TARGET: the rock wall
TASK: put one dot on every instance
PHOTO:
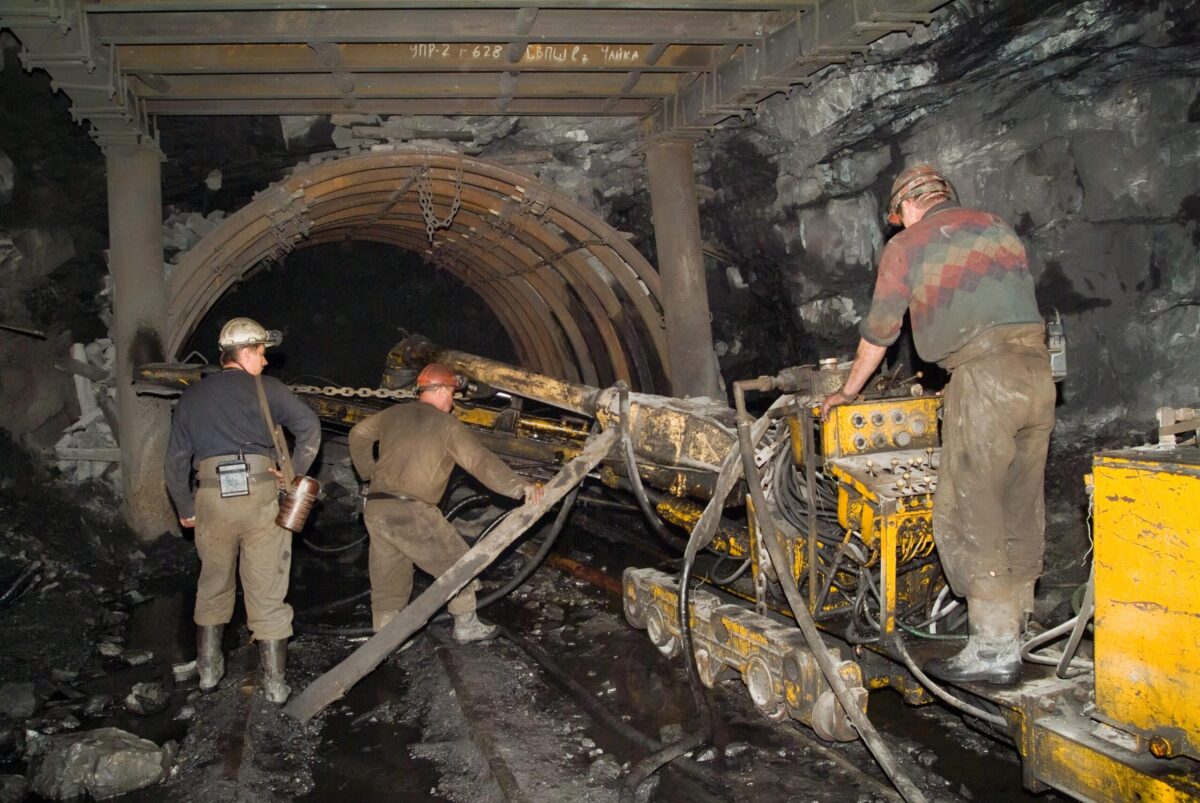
(1076, 122)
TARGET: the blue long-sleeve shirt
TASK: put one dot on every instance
(221, 415)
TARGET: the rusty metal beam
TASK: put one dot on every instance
(464, 57)
(57, 38)
(631, 107)
(400, 85)
(423, 26)
(834, 32)
(103, 6)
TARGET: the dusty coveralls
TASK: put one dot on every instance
(964, 278)
(419, 446)
(214, 420)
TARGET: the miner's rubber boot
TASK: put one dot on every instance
(210, 661)
(272, 663)
(993, 651)
(468, 628)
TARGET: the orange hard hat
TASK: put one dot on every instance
(914, 182)
(436, 375)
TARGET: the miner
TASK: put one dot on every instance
(419, 445)
(964, 279)
(220, 429)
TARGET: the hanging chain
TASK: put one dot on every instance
(362, 393)
(425, 199)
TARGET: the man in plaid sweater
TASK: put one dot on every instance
(963, 277)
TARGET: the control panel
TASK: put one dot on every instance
(896, 474)
(885, 425)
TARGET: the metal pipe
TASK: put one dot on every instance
(771, 539)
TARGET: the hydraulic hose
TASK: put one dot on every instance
(942, 694)
(520, 577)
(650, 764)
(701, 536)
(635, 479)
(887, 762)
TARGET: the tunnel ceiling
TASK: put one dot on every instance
(682, 66)
(577, 300)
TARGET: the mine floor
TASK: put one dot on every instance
(484, 722)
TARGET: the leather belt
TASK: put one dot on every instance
(215, 483)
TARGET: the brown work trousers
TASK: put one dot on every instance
(989, 509)
(403, 533)
(243, 527)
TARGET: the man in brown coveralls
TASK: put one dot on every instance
(419, 445)
(964, 278)
(219, 429)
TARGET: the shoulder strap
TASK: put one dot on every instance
(281, 449)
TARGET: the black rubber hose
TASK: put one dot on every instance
(771, 540)
(332, 550)
(650, 764)
(635, 479)
(520, 577)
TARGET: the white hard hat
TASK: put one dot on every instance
(247, 332)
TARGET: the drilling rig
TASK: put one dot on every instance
(840, 513)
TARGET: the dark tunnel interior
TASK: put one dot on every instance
(722, 559)
(343, 307)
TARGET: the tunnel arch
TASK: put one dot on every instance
(577, 300)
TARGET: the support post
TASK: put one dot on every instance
(135, 262)
(693, 364)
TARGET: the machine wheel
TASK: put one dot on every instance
(761, 685)
(656, 629)
(711, 670)
(632, 606)
(829, 719)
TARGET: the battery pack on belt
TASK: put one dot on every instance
(215, 482)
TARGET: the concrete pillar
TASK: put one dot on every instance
(693, 367)
(135, 262)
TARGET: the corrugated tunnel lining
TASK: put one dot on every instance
(578, 301)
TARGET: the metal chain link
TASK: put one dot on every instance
(348, 392)
(425, 199)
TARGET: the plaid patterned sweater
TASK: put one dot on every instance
(959, 272)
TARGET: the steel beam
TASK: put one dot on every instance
(170, 60)
(681, 265)
(57, 38)
(103, 6)
(139, 325)
(834, 32)
(591, 107)
(600, 26)
(400, 85)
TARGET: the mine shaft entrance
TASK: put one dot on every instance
(575, 299)
(343, 306)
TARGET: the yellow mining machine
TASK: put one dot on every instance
(849, 504)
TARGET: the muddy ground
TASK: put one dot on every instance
(437, 721)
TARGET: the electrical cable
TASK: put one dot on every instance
(635, 479)
(1028, 649)
(738, 572)
(770, 538)
(507, 588)
(700, 537)
(942, 694)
